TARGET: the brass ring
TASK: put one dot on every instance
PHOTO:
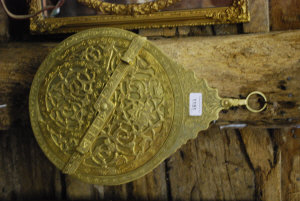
(256, 93)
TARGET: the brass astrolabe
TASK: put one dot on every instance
(107, 106)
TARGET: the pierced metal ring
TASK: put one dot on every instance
(256, 93)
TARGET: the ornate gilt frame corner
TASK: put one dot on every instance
(237, 13)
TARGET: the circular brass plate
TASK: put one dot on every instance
(143, 128)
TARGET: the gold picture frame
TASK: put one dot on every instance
(236, 13)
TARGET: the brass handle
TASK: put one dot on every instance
(228, 103)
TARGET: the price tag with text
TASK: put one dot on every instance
(195, 104)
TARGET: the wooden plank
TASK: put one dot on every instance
(217, 165)
(275, 157)
(265, 162)
(225, 29)
(25, 172)
(259, 12)
(288, 142)
(120, 192)
(284, 14)
(211, 167)
(235, 65)
(184, 31)
(16, 78)
(201, 31)
(4, 34)
(153, 186)
(78, 190)
(214, 166)
(158, 32)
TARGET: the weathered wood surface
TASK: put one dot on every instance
(235, 65)
(201, 31)
(259, 13)
(284, 14)
(288, 145)
(265, 160)
(158, 32)
(220, 164)
(247, 164)
(211, 167)
(25, 173)
(4, 35)
(225, 29)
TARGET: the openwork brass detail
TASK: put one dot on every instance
(128, 9)
(236, 13)
(107, 106)
(104, 106)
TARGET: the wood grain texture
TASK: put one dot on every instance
(153, 186)
(4, 33)
(25, 173)
(184, 31)
(211, 167)
(265, 162)
(235, 65)
(225, 29)
(284, 14)
(158, 32)
(16, 75)
(120, 192)
(220, 164)
(77, 190)
(201, 31)
(259, 12)
(288, 143)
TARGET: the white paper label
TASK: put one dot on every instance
(195, 104)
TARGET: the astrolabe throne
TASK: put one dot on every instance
(107, 106)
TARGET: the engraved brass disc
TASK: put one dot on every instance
(107, 106)
(69, 82)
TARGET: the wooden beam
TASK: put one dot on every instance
(259, 12)
(25, 172)
(284, 15)
(235, 65)
(288, 144)
(211, 167)
(4, 35)
(265, 161)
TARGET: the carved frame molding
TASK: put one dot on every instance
(237, 13)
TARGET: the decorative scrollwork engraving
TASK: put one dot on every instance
(232, 14)
(108, 106)
(143, 103)
(128, 9)
(134, 16)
